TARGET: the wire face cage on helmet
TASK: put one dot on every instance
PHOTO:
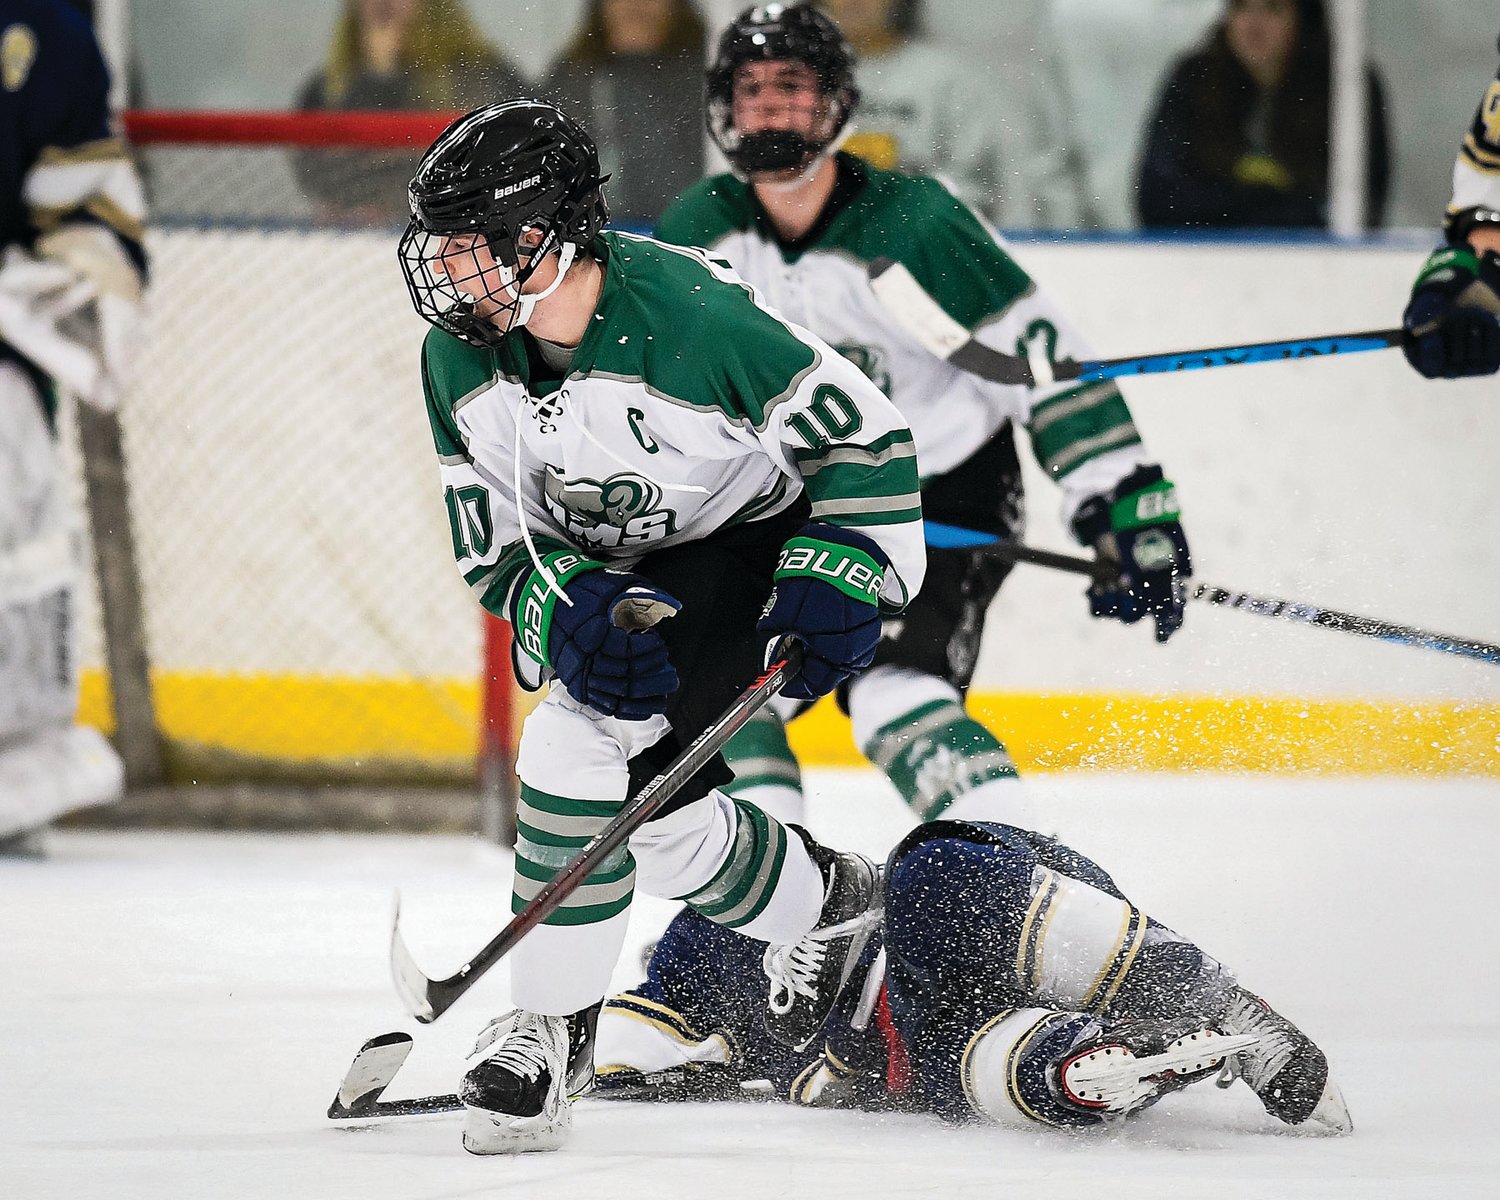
(775, 33)
(500, 191)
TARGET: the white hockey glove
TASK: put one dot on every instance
(74, 310)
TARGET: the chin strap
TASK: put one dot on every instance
(527, 303)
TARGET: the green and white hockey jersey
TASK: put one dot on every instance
(1082, 434)
(688, 408)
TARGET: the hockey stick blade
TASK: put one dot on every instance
(371, 1073)
(926, 320)
(413, 986)
(420, 1106)
(427, 999)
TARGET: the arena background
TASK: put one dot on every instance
(297, 564)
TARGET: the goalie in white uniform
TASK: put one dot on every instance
(803, 222)
(71, 271)
(655, 480)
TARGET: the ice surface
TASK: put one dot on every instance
(177, 1010)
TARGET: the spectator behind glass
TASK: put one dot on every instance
(1240, 136)
(925, 109)
(394, 55)
(633, 76)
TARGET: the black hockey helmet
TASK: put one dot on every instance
(503, 172)
(771, 33)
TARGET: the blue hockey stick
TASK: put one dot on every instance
(906, 300)
(952, 537)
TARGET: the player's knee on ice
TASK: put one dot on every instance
(701, 1003)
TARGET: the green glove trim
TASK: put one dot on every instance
(535, 600)
(852, 571)
(1153, 505)
(1448, 258)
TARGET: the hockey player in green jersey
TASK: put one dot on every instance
(802, 222)
(655, 480)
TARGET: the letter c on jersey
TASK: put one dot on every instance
(645, 440)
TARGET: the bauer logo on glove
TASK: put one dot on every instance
(851, 571)
(827, 597)
(593, 628)
(1137, 526)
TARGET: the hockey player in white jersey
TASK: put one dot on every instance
(802, 222)
(1452, 323)
(71, 272)
(626, 436)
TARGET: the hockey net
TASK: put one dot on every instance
(303, 617)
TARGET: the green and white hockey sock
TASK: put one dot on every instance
(735, 865)
(766, 773)
(945, 764)
(565, 963)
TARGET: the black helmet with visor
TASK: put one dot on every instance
(521, 177)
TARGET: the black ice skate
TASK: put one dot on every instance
(1285, 1068)
(1120, 1068)
(807, 977)
(519, 1098)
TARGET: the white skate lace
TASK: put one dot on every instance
(529, 1044)
(793, 970)
(1263, 1062)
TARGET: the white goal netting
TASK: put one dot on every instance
(302, 609)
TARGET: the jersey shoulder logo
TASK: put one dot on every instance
(870, 361)
(623, 510)
(17, 53)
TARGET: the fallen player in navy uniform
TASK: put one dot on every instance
(1008, 981)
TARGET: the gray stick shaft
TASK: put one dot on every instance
(1269, 606)
(137, 736)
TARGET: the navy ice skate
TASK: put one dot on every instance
(1285, 1068)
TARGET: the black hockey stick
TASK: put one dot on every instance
(951, 536)
(907, 300)
(371, 1073)
(427, 999)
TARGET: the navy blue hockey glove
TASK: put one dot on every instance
(601, 646)
(1136, 527)
(826, 596)
(1451, 326)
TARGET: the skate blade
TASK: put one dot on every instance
(1115, 1079)
(488, 1132)
(1330, 1118)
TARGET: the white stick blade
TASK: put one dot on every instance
(906, 300)
(373, 1069)
(410, 980)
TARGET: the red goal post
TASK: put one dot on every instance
(303, 616)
